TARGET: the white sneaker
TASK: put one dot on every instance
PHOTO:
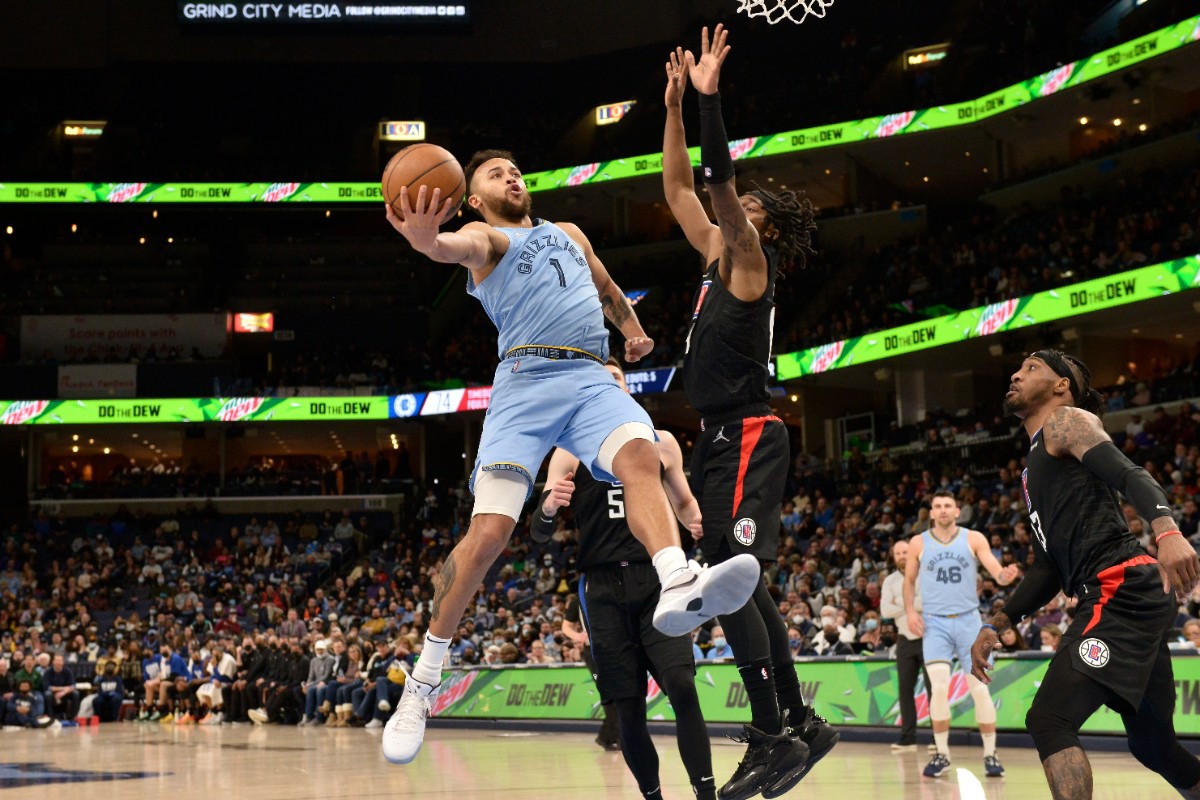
(384, 706)
(257, 716)
(701, 593)
(404, 732)
(373, 724)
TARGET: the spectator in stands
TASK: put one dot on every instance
(20, 711)
(1011, 641)
(62, 696)
(110, 693)
(320, 672)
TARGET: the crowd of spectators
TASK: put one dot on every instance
(201, 617)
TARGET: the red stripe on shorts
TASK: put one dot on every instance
(1111, 580)
(752, 428)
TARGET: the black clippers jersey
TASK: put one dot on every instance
(729, 345)
(1075, 517)
(604, 535)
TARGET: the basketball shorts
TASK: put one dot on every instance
(739, 470)
(1118, 628)
(538, 404)
(617, 604)
(947, 638)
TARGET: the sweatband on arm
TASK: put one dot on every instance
(1110, 465)
(714, 143)
(1037, 588)
(541, 528)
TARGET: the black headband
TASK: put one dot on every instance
(1056, 361)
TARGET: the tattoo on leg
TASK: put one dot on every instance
(443, 584)
(1069, 774)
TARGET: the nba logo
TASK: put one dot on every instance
(700, 298)
(744, 530)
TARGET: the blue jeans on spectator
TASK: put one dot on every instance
(107, 705)
(311, 701)
(382, 690)
(344, 693)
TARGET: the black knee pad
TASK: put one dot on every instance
(1052, 733)
(680, 685)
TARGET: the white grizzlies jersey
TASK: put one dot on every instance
(542, 293)
(948, 575)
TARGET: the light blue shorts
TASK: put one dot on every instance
(947, 637)
(538, 404)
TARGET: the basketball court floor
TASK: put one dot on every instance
(135, 761)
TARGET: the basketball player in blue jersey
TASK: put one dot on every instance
(741, 460)
(946, 559)
(547, 294)
(618, 591)
(1115, 651)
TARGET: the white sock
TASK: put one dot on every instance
(668, 562)
(942, 740)
(429, 666)
(989, 743)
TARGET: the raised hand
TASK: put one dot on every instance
(677, 72)
(706, 72)
(419, 225)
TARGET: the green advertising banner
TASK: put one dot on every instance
(1077, 72)
(861, 692)
(207, 409)
(1145, 283)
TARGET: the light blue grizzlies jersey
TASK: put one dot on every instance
(542, 293)
(948, 575)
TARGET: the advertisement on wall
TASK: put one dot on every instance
(99, 337)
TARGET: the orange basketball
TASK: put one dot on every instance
(424, 164)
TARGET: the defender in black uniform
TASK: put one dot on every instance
(1115, 652)
(609, 736)
(740, 463)
(618, 592)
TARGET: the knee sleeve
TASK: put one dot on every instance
(1051, 730)
(939, 690)
(985, 709)
(621, 436)
(501, 492)
(680, 685)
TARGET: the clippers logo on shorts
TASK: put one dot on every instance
(744, 530)
(1094, 652)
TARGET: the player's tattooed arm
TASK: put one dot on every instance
(617, 308)
(1072, 431)
(442, 585)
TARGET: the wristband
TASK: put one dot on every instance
(990, 627)
(1162, 536)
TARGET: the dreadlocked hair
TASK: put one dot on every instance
(794, 217)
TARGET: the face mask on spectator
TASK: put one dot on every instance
(794, 643)
(870, 624)
(719, 642)
(797, 619)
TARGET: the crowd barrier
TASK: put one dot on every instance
(847, 690)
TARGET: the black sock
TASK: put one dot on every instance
(653, 794)
(760, 689)
(705, 789)
(791, 700)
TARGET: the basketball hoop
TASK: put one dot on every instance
(778, 10)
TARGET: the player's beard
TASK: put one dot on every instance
(1022, 404)
(509, 208)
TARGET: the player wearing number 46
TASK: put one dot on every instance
(946, 558)
(548, 294)
(1115, 652)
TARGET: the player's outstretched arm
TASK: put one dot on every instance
(1080, 434)
(912, 569)
(617, 308)
(679, 186)
(472, 246)
(740, 246)
(983, 551)
(687, 510)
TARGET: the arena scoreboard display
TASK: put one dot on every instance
(323, 14)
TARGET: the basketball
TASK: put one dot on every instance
(424, 164)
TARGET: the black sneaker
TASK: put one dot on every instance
(820, 737)
(768, 758)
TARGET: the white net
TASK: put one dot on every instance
(778, 10)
